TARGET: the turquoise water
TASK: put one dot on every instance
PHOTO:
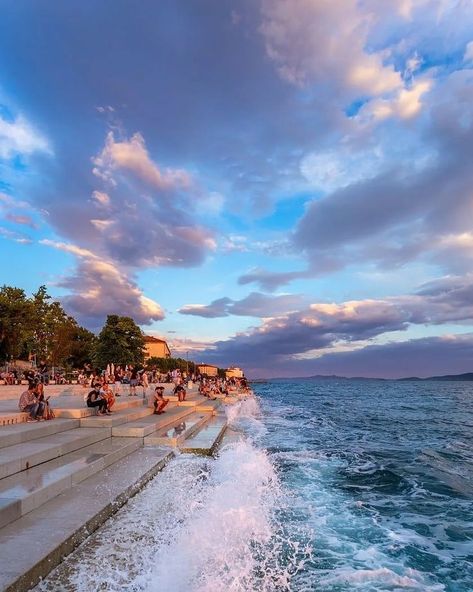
(322, 486)
(380, 475)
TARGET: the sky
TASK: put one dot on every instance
(281, 185)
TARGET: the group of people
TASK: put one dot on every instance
(33, 402)
(101, 398)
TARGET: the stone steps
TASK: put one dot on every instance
(15, 434)
(76, 408)
(20, 457)
(208, 405)
(117, 418)
(26, 491)
(36, 543)
(175, 434)
(147, 425)
(206, 440)
(12, 417)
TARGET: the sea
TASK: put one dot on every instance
(329, 485)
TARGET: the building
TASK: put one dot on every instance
(207, 369)
(156, 348)
(234, 372)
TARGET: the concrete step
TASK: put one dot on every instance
(151, 423)
(206, 440)
(25, 432)
(19, 457)
(208, 405)
(24, 492)
(117, 417)
(12, 417)
(75, 407)
(176, 433)
(35, 544)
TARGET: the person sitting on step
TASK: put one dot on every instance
(180, 391)
(108, 395)
(159, 401)
(95, 399)
(29, 403)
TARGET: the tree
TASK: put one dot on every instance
(15, 322)
(82, 347)
(167, 364)
(120, 341)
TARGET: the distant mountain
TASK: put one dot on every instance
(458, 377)
(447, 377)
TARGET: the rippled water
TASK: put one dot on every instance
(383, 474)
(333, 486)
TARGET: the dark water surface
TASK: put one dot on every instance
(382, 473)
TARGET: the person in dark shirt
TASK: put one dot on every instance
(180, 391)
(159, 401)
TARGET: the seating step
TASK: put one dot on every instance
(15, 434)
(117, 418)
(151, 423)
(12, 417)
(209, 405)
(22, 493)
(175, 434)
(20, 457)
(206, 440)
(35, 544)
(73, 407)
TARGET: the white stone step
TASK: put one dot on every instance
(148, 425)
(116, 418)
(35, 544)
(73, 407)
(175, 434)
(19, 457)
(209, 405)
(25, 432)
(206, 440)
(26, 491)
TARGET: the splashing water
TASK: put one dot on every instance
(202, 525)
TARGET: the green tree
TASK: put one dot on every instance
(120, 341)
(82, 347)
(167, 364)
(15, 323)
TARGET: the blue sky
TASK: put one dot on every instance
(284, 185)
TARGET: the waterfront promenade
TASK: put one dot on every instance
(61, 479)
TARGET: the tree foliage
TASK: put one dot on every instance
(121, 342)
(165, 365)
(39, 328)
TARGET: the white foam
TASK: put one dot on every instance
(232, 542)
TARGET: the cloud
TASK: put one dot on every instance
(299, 37)
(23, 220)
(428, 356)
(18, 136)
(143, 216)
(254, 305)
(99, 288)
(132, 156)
(317, 329)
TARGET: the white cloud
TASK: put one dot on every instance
(19, 137)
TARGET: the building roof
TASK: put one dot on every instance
(207, 365)
(151, 339)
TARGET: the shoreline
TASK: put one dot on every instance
(62, 479)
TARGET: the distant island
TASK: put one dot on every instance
(467, 376)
